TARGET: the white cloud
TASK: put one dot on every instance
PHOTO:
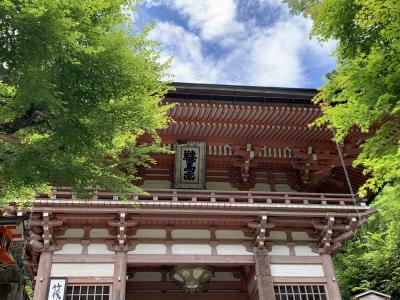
(189, 63)
(151, 3)
(274, 55)
(214, 19)
(247, 54)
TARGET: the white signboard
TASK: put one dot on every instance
(57, 288)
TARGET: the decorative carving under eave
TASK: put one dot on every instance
(122, 224)
(42, 231)
(315, 166)
(261, 226)
(244, 161)
(332, 233)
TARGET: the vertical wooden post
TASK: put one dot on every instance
(331, 281)
(43, 275)
(263, 272)
(119, 280)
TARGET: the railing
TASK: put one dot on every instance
(213, 196)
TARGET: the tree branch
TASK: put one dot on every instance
(31, 117)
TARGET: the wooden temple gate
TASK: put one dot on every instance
(251, 207)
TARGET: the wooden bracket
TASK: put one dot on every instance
(122, 224)
(244, 160)
(261, 226)
(42, 232)
(332, 235)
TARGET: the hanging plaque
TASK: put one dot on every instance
(189, 165)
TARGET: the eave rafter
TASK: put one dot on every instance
(241, 113)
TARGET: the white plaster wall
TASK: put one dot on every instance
(197, 249)
(279, 250)
(230, 235)
(149, 249)
(232, 250)
(277, 235)
(150, 234)
(82, 270)
(190, 234)
(98, 249)
(300, 236)
(261, 187)
(146, 276)
(280, 187)
(301, 250)
(298, 270)
(100, 233)
(156, 184)
(220, 186)
(70, 249)
(73, 233)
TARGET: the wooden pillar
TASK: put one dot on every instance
(331, 280)
(251, 283)
(119, 280)
(265, 285)
(43, 275)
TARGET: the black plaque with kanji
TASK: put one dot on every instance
(189, 165)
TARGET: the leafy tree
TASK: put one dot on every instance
(364, 92)
(372, 259)
(78, 85)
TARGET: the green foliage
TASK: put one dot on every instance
(78, 85)
(29, 287)
(372, 259)
(364, 91)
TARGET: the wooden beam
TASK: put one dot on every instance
(146, 259)
(170, 285)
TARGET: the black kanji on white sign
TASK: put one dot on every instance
(57, 289)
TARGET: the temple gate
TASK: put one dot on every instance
(251, 206)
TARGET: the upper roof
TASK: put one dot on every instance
(240, 93)
(274, 121)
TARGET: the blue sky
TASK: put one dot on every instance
(253, 42)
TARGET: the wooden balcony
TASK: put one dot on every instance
(212, 197)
